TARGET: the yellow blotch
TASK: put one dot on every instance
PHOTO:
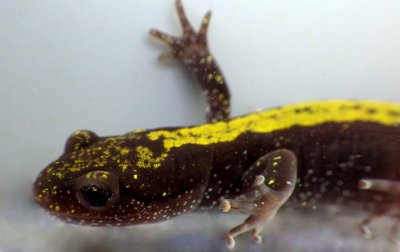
(209, 59)
(135, 176)
(304, 114)
(147, 159)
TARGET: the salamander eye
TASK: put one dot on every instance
(80, 139)
(97, 190)
(96, 196)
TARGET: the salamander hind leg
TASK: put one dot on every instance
(191, 48)
(267, 185)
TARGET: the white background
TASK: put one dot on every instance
(69, 64)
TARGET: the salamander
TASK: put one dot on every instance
(308, 155)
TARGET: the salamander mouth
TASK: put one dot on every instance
(92, 220)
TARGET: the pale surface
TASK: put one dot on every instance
(67, 65)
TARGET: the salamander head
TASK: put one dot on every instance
(96, 182)
(87, 185)
(81, 186)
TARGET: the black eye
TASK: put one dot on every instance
(96, 196)
(97, 190)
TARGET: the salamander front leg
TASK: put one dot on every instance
(273, 178)
(191, 48)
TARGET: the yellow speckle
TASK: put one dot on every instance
(275, 163)
(59, 175)
(39, 197)
(100, 163)
(210, 76)
(209, 59)
(135, 176)
(57, 208)
(125, 165)
(219, 79)
(53, 190)
(272, 181)
(124, 151)
(164, 194)
(74, 169)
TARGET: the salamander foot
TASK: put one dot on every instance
(273, 179)
(189, 41)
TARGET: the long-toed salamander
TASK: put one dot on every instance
(315, 153)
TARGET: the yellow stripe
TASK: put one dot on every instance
(303, 114)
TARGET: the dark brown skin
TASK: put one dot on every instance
(309, 155)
